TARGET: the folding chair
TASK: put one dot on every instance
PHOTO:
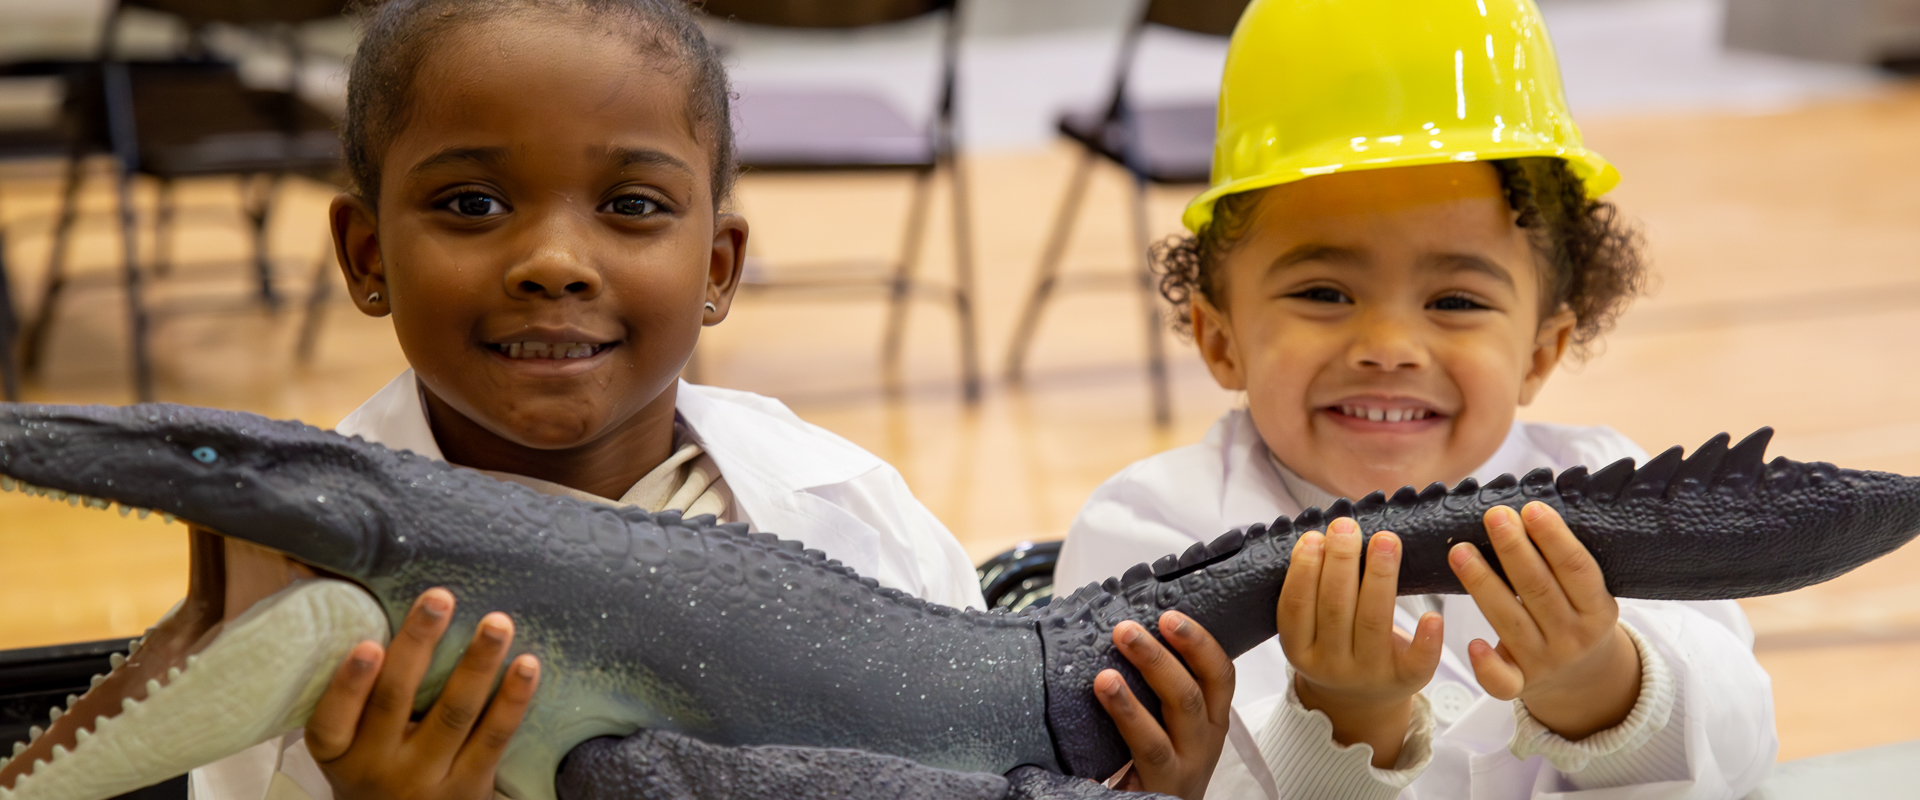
(190, 116)
(9, 332)
(837, 130)
(27, 140)
(1157, 145)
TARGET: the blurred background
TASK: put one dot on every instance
(1767, 148)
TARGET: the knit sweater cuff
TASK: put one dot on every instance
(1299, 749)
(1650, 714)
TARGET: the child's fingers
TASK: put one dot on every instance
(337, 716)
(391, 705)
(1417, 659)
(1183, 706)
(465, 696)
(1527, 571)
(1300, 595)
(1496, 601)
(1339, 583)
(489, 740)
(1144, 737)
(1373, 609)
(1493, 667)
(1572, 564)
(1209, 664)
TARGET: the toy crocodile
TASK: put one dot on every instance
(749, 664)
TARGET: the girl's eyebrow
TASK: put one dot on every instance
(1315, 252)
(629, 156)
(1465, 262)
(481, 156)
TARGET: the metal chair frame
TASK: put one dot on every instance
(899, 281)
(1119, 118)
(9, 333)
(124, 144)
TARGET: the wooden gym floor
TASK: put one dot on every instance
(1789, 296)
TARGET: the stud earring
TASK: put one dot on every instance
(712, 308)
(373, 297)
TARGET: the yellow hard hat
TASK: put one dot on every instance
(1320, 86)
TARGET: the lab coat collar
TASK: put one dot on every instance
(749, 434)
(1253, 489)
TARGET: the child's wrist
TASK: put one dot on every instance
(1601, 697)
(1376, 718)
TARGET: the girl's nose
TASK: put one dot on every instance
(553, 272)
(1385, 343)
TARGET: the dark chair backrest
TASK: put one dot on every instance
(1211, 17)
(822, 13)
(244, 12)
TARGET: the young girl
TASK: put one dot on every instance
(1400, 245)
(537, 193)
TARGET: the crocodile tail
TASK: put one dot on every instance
(1229, 586)
(1723, 523)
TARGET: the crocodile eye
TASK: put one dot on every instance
(204, 455)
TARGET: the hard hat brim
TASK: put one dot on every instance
(1595, 172)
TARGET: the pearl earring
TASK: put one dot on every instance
(373, 297)
(712, 308)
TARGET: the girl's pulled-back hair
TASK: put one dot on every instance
(399, 34)
(1589, 258)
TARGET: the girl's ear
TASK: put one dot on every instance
(1549, 346)
(728, 258)
(1217, 346)
(356, 245)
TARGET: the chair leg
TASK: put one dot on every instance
(9, 328)
(316, 306)
(1150, 304)
(259, 204)
(900, 288)
(34, 341)
(963, 281)
(163, 230)
(136, 307)
(1047, 275)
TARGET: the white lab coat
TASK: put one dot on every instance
(1714, 740)
(787, 476)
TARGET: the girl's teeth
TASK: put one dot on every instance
(1386, 415)
(522, 350)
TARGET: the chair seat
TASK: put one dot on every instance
(812, 129)
(313, 152)
(1173, 143)
(228, 128)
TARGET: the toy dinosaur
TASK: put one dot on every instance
(691, 631)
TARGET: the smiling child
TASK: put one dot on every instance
(537, 201)
(1403, 240)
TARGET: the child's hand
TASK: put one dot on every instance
(365, 743)
(1178, 759)
(1337, 630)
(1561, 650)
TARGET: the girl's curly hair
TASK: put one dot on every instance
(1590, 259)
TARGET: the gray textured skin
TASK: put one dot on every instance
(650, 621)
